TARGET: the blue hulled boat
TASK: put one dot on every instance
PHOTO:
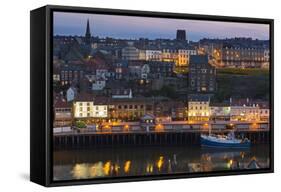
(228, 141)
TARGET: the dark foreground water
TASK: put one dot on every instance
(139, 161)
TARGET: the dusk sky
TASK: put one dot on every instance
(129, 27)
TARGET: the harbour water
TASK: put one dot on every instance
(147, 160)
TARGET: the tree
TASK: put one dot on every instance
(80, 124)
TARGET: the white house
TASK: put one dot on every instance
(198, 108)
(245, 113)
(100, 111)
(84, 107)
(71, 94)
(154, 55)
(220, 112)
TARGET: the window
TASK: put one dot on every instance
(204, 70)
(192, 82)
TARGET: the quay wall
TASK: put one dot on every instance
(145, 138)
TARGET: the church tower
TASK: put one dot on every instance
(88, 34)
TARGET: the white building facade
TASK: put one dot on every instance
(244, 113)
(87, 109)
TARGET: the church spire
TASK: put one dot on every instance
(88, 33)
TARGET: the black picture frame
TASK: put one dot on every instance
(41, 93)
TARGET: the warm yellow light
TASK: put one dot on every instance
(127, 166)
(116, 168)
(106, 168)
(149, 168)
(189, 121)
(229, 163)
(159, 127)
(254, 125)
(160, 162)
(107, 127)
(80, 171)
(126, 126)
(115, 123)
(96, 170)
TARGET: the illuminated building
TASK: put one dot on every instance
(184, 55)
(150, 54)
(237, 52)
(170, 54)
(220, 112)
(244, 57)
(85, 107)
(133, 108)
(147, 122)
(244, 113)
(198, 107)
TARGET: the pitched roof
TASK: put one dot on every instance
(84, 97)
(148, 117)
(101, 100)
(249, 102)
(198, 97)
(121, 91)
(60, 103)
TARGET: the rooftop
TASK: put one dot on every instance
(198, 59)
(198, 97)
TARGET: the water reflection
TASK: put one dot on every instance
(94, 163)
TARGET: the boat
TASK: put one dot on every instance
(222, 141)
